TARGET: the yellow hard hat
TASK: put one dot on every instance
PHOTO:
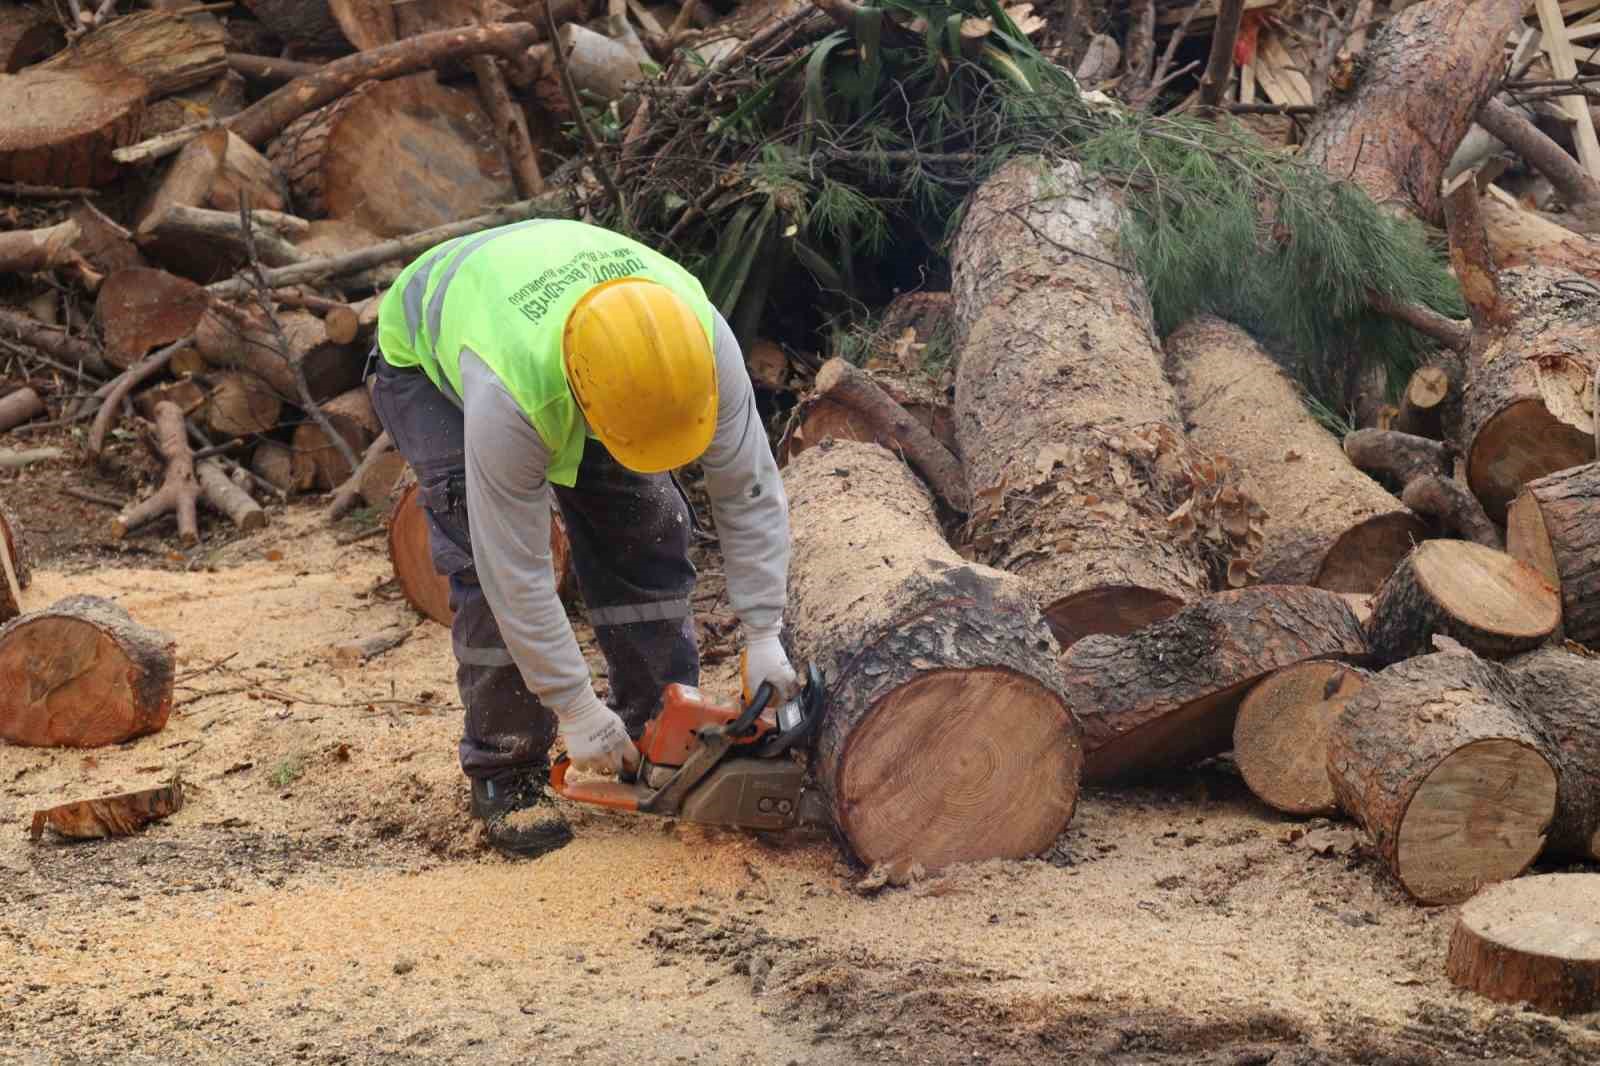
(640, 365)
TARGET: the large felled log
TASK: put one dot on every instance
(1327, 523)
(1280, 739)
(246, 341)
(351, 415)
(1561, 693)
(1424, 77)
(1062, 405)
(62, 123)
(1554, 527)
(1535, 940)
(395, 157)
(1435, 758)
(1167, 695)
(423, 586)
(169, 52)
(27, 35)
(946, 738)
(142, 309)
(1526, 406)
(1480, 597)
(82, 674)
(109, 816)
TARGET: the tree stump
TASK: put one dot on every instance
(1554, 527)
(1535, 940)
(946, 737)
(1483, 598)
(1435, 758)
(82, 674)
(1327, 523)
(395, 157)
(1166, 695)
(1561, 691)
(1063, 410)
(62, 123)
(1280, 739)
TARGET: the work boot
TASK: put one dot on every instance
(519, 817)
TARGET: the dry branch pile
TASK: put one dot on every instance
(1096, 500)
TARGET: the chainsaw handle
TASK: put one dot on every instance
(558, 776)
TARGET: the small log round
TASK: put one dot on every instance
(240, 405)
(1483, 598)
(22, 405)
(273, 462)
(1535, 940)
(82, 674)
(351, 415)
(1554, 527)
(109, 816)
(1435, 758)
(1280, 739)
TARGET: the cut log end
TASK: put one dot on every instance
(926, 777)
(63, 122)
(1113, 610)
(1522, 443)
(1554, 527)
(1366, 554)
(1479, 816)
(1535, 940)
(1280, 740)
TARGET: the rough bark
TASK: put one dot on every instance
(395, 156)
(82, 674)
(1167, 695)
(169, 52)
(144, 308)
(1435, 759)
(109, 816)
(27, 35)
(18, 407)
(229, 499)
(1420, 468)
(1561, 694)
(1455, 509)
(179, 490)
(1554, 527)
(64, 122)
(946, 738)
(1280, 739)
(1531, 941)
(13, 564)
(1484, 599)
(1524, 413)
(1519, 237)
(1327, 523)
(510, 124)
(1063, 409)
(1425, 76)
(245, 341)
(351, 415)
(26, 251)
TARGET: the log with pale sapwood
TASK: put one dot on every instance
(1485, 599)
(273, 461)
(946, 737)
(244, 340)
(1167, 695)
(1327, 523)
(1554, 527)
(1063, 410)
(1280, 738)
(83, 674)
(1437, 759)
(239, 404)
(1534, 941)
(351, 416)
(1561, 691)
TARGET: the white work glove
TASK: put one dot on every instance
(596, 739)
(763, 659)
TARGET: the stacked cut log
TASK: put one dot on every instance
(1554, 527)
(948, 738)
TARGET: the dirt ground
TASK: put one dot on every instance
(323, 897)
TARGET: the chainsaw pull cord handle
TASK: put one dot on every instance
(745, 724)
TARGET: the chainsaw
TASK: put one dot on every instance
(716, 763)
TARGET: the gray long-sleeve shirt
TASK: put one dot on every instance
(509, 500)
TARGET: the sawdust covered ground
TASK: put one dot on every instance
(324, 898)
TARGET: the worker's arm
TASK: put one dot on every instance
(752, 516)
(508, 508)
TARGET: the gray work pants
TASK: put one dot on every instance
(629, 534)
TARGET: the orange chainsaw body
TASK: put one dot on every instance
(669, 737)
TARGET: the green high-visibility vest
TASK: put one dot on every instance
(505, 293)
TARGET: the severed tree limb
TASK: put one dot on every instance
(1219, 67)
(124, 384)
(367, 647)
(26, 251)
(18, 407)
(267, 117)
(181, 221)
(1512, 128)
(510, 122)
(54, 341)
(232, 500)
(348, 493)
(1470, 256)
(25, 191)
(1451, 332)
(16, 460)
(179, 490)
(267, 69)
(1448, 501)
(841, 381)
(578, 116)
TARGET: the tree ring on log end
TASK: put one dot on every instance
(1280, 739)
(921, 778)
(1487, 589)
(1534, 940)
(1479, 816)
(1116, 610)
(1366, 554)
(1520, 444)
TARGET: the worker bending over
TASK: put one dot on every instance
(553, 360)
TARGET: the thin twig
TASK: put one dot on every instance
(118, 391)
(582, 121)
(1160, 78)
(91, 497)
